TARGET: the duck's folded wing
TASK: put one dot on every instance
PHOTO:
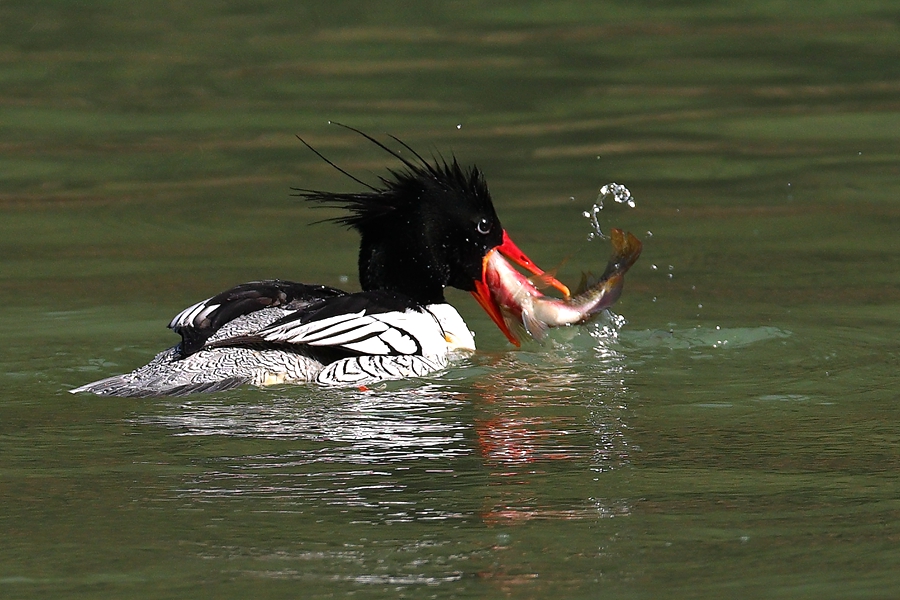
(366, 323)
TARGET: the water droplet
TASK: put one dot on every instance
(671, 267)
(649, 234)
(344, 278)
(595, 223)
(670, 276)
(653, 267)
(699, 306)
(619, 193)
(459, 125)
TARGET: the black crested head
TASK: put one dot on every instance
(426, 226)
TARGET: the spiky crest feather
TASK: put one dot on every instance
(400, 193)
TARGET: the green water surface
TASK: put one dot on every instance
(739, 437)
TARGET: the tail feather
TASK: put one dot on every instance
(211, 370)
(126, 386)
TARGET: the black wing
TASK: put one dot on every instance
(199, 322)
(369, 303)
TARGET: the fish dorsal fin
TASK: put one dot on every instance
(588, 280)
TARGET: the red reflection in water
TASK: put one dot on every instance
(514, 445)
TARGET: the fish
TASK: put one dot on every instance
(517, 304)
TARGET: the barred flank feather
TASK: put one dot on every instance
(365, 370)
(207, 371)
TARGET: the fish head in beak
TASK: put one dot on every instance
(496, 283)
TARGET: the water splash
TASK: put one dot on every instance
(620, 194)
(606, 327)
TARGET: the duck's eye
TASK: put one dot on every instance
(483, 227)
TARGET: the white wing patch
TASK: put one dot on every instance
(390, 333)
(186, 317)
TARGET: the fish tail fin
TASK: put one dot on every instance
(626, 250)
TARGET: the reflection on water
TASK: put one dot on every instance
(380, 426)
(346, 449)
(500, 422)
(562, 404)
(486, 451)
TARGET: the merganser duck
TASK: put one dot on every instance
(428, 226)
